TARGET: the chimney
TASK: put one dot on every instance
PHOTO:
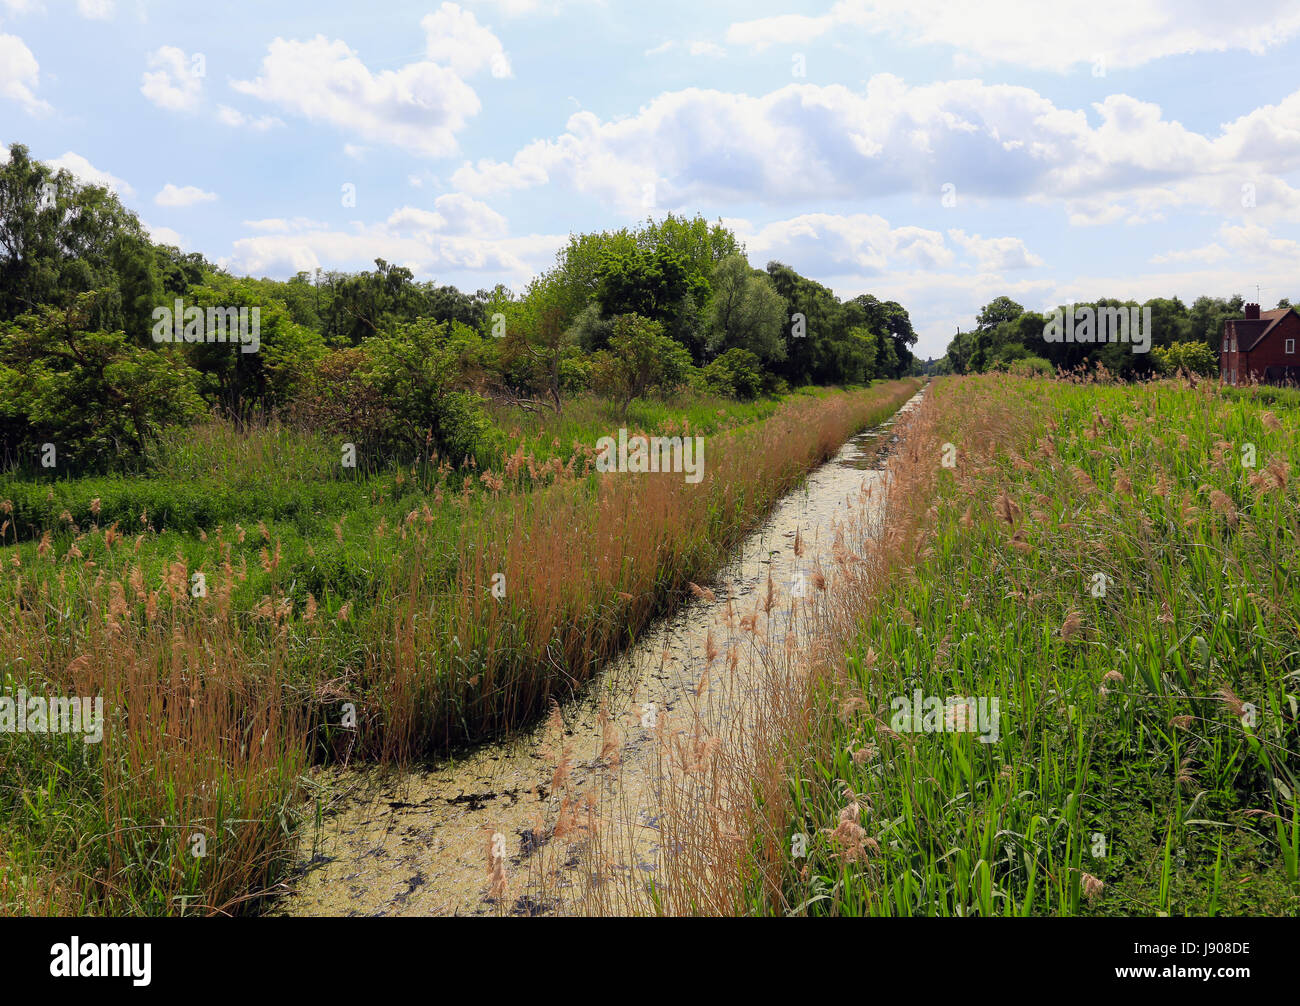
(1252, 312)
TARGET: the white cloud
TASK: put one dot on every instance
(519, 8)
(454, 213)
(860, 244)
(88, 174)
(419, 107)
(279, 225)
(706, 49)
(1247, 242)
(459, 234)
(187, 195)
(19, 75)
(996, 254)
(808, 143)
(1123, 33)
(783, 29)
(175, 83)
(165, 236)
(258, 123)
(709, 49)
(95, 10)
(454, 38)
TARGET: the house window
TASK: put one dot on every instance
(1290, 346)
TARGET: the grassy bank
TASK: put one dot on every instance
(342, 614)
(1116, 566)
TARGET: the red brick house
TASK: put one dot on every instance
(1264, 346)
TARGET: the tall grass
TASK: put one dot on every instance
(330, 595)
(1148, 755)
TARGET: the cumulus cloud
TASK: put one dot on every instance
(175, 82)
(996, 254)
(1244, 243)
(419, 107)
(88, 174)
(1119, 33)
(454, 38)
(805, 142)
(824, 244)
(186, 195)
(258, 123)
(95, 10)
(19, 75)
(459, 234)
(165, 236)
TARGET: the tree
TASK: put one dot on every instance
(640, 357)
(747, 312)
(60, 239)
(812, 318)
(649, 283)
(889, 320)
(97, 396)
(734, 374)
(415, 371)
(272, 376)
(997, 311)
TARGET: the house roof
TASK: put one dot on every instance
(1248, 327)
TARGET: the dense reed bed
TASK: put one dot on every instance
(1116, 566)
(356, 621)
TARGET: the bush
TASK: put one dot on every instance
(340, 401)
(415, 372)
(1194, 357)
(1031, 366)
(640, 358)
(98, 398)
(735, 374)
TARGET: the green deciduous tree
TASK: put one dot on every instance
(640, 357)
(747, 312)
(99, 397)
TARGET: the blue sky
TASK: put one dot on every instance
(1130, 148)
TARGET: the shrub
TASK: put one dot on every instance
(1195, 357)
(1031, 366)
(640, 358)
(415, 372)
(340, 401)
(101, 400)
(735, 374)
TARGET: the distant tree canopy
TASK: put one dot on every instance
(1182, 337)
(627, 312)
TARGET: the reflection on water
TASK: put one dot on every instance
(416, 842)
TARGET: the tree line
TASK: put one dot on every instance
(398, 363)
(1008, 337)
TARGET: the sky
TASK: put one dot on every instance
(932, 152)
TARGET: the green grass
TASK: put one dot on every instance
(216, 706)
(1123, 754)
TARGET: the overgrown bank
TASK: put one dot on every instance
(215, 704)
(1115, 568)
